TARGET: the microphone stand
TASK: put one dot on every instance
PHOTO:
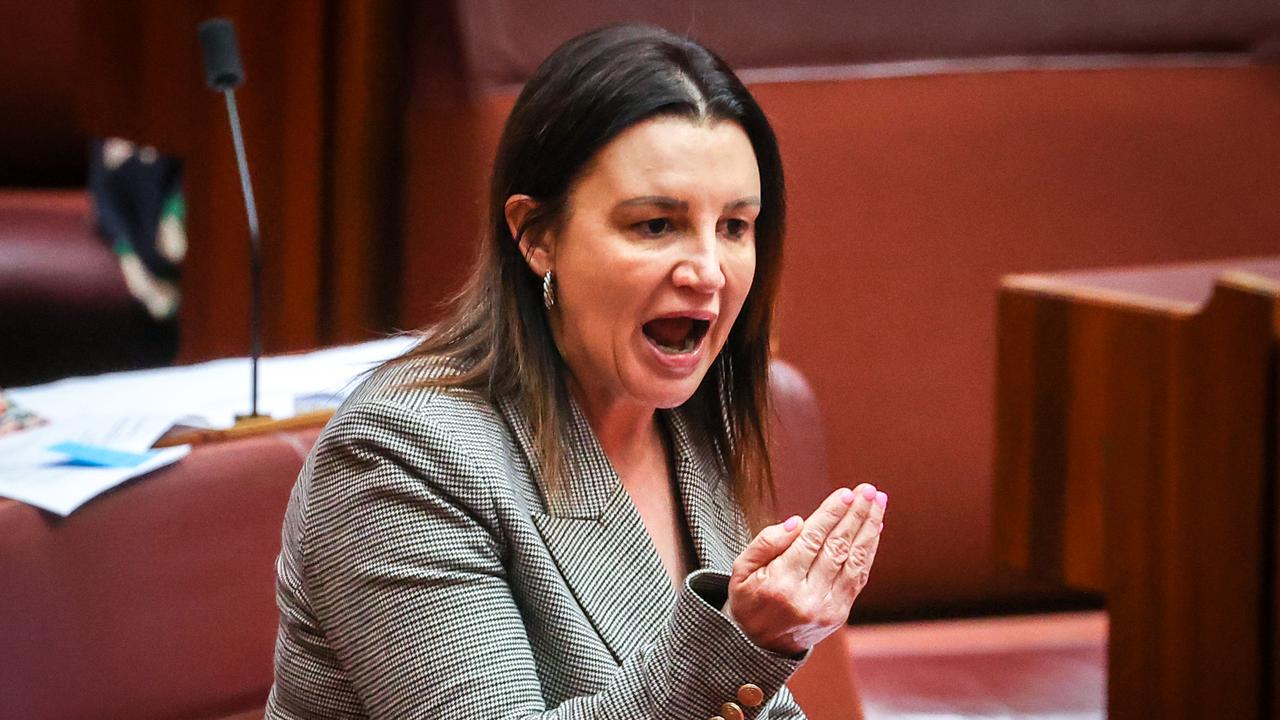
(223, 72)
(255, 259)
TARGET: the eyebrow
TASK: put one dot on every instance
(671, 203)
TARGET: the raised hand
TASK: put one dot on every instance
(794, 584)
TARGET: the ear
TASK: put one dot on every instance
(537, 247)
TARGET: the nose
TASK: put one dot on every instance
(700, 270)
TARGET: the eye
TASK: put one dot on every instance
(656, 227)
(736, 228)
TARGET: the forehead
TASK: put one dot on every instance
(675, 156)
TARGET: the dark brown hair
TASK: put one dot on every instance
(496, 332)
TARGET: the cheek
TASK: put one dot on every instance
(600, 304)
(740, 271)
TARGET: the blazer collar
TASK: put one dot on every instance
(715, 523)
(598, 541)
(589, 482)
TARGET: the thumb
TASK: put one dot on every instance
(767, 545)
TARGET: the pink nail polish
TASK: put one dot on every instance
(846, 496)
(882, 499)
(869, 492)
(791, 524)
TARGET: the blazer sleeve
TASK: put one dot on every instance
(402, 560)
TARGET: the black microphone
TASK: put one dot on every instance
(222, 69)
(223, 72)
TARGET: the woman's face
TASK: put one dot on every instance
(654, 260)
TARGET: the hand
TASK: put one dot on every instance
(794, 584)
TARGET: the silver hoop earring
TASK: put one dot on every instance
(548, 291)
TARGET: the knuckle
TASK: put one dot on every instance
(811, 540)
(837, 548)
(860, 555)
(860, 581)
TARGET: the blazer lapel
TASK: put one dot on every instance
(716, 526)
(598, 541)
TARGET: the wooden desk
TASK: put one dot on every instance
(1136, 454)
(252, 428)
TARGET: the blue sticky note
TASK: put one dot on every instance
(98, 456)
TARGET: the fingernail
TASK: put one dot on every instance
(846, 496)
(881, 528)
(792, 523)
(869, 492)
(882, 499)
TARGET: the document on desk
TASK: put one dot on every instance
(31, 471)
(211, 394)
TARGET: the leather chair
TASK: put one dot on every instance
(157, 600)
(64, 306)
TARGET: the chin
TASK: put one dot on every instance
(666, 394)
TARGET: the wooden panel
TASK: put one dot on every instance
(369, 61)
(1136, 443)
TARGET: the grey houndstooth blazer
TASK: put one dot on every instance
(423, 575)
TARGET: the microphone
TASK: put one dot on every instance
(222, 69)
(223, 72)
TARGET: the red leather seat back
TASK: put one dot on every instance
(157, 600)
(797, 443)
(64, 306)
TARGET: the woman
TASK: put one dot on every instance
(538, 511)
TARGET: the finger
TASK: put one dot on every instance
(767, 545)
(862, 555)
(836, 548)
(802, 552)
(855, 576)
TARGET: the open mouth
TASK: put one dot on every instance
(676, 335)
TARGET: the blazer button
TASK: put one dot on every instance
(731, 711)
(716, 717)
(750, 695)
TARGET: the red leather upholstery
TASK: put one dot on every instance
(797, 443)
(64, 306)
(154, 601)
(1033, 666)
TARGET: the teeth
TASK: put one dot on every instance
(688, 346)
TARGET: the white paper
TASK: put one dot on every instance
(33, 474)
(211, 394)
(129, 411)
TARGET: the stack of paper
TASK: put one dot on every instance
(81, 453)
(60, 466)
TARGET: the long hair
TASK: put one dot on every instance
(496, 333)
